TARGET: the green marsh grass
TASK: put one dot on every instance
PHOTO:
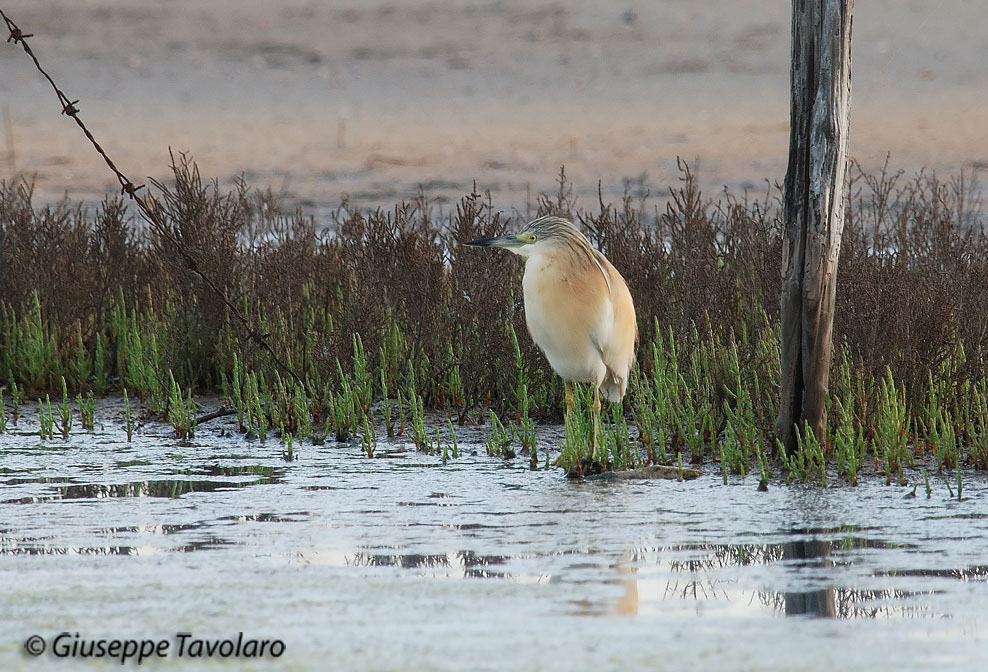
(99, 370)
(235, 394)
(368, 440)
(442, 448)
(499, 439)
(46, 419)
(388, 306)
(402, 420)
(288, 452)
(850, 449)
(419, 434)
(17, 398)
(577, 456)
(386, 408)
(64, 408)
(616, 439)
(363, 382)
(87, 410)
(524, 429)
(129, 425)
(764, 468)
(808, 461)
(892, 430)
(454, 444)
(256, 415)
(181, 410)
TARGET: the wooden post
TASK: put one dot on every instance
(813, 208)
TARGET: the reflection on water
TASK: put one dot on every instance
(684, 572)
(813, 602)
(481, 547)
(693, 579)
(170, 487)
(828, 602)
(977, 573)
(161, 488)
(466, 564)
(7, 548)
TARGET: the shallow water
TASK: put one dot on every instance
(402, 563)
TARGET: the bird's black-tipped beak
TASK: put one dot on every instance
(499, 241)
(482, 242)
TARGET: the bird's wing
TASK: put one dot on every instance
(615, 336)
(602, 265)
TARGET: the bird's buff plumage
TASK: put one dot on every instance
(578, 307)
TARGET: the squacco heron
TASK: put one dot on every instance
(578, 308)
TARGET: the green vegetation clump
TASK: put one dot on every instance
(382, 318)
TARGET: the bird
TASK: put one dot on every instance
(578, 308)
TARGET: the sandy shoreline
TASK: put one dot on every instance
(375, 99)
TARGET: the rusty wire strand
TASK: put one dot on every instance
(70, 108)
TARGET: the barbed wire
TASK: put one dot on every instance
(70, 108)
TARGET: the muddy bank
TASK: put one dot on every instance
(374, 100)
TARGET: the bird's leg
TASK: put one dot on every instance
(569, 398)
(596, 420)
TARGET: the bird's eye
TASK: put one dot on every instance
(532, 237)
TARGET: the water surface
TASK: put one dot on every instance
(402, 563)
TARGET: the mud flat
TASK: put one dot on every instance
(379, 99)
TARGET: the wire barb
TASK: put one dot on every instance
(129, 189)
(16, 35)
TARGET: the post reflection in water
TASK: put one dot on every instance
(813, 602)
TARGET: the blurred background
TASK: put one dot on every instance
(378, 99)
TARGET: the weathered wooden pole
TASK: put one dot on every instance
(813, 208)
